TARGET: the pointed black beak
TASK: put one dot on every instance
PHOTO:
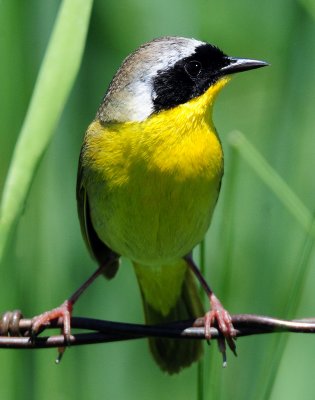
(241, 64)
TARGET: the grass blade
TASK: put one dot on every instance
(54, 82)
(274, 181)
(297, 209)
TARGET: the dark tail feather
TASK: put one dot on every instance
(174, 354)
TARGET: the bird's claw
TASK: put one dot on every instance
(221, 318)
(64, 311)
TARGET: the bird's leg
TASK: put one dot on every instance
(216, 314)
(65, 309)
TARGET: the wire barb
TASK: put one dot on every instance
(10, 323)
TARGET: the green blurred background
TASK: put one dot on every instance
(254, 246)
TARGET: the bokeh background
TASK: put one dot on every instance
(254, 249)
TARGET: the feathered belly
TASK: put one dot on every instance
(154, 216)
(152, 197)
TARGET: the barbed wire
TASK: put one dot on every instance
(15, 331)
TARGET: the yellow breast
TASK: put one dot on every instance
(152, 185)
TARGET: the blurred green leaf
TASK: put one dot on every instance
(309, 6)
(298, 210)
(273, 180)
(55, 80)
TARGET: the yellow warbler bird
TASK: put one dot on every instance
(149, 177)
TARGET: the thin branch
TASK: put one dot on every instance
(108, 331)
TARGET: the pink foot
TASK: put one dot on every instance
(64, 311)
(222, 319)
(218, 315)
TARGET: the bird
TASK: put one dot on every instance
(149, 177)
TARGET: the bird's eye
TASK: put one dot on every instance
(193, 68)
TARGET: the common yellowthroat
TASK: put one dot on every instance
(149, 177)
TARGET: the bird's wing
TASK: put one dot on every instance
(97, 248)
